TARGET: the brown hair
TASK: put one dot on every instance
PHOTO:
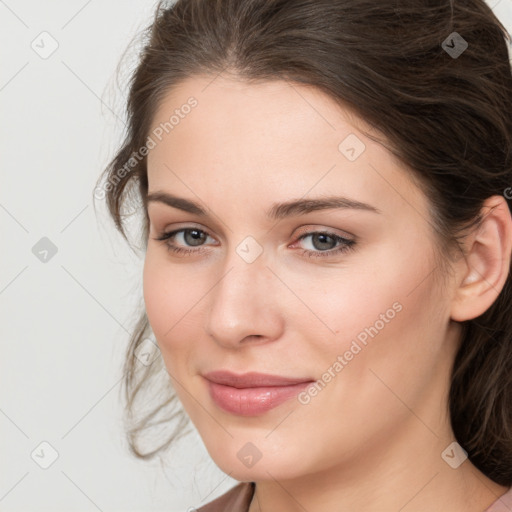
(448, 117)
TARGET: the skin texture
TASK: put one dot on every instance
(372, 438)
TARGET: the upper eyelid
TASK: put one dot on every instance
(330, 231)
(297, 219)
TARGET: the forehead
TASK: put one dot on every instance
(259, 109)
(271, 136)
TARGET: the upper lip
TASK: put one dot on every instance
(251, 379)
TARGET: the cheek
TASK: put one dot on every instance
(383, 300)
(389, 333)
(170, 301)
(352, 302)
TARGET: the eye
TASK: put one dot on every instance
(191, 240)
(325, 244)
(189, 237)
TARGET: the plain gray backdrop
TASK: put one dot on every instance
(69, 284)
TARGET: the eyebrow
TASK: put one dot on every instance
(276, 212)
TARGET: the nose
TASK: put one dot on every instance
(244, 304)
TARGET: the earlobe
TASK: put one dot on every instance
(483, 271)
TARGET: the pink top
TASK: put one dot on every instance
(503, 504)
(239, 498)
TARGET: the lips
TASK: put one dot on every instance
(252, 394)
(251, 379)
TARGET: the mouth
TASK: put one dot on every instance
(252, 394)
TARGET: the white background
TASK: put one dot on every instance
(64, 323)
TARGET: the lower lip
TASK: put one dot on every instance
(252, 401)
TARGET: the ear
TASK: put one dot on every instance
(483, 271)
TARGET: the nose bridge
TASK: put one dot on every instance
(241, 302)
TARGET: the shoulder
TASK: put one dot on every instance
(236, 499)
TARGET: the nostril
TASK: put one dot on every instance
(248, 338)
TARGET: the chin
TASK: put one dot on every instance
(246, 461)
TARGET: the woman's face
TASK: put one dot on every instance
(270, 288)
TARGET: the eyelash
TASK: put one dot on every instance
(346, 244)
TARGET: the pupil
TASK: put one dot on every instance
(196, 236)
(324, 240)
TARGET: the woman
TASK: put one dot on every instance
(325, 188)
